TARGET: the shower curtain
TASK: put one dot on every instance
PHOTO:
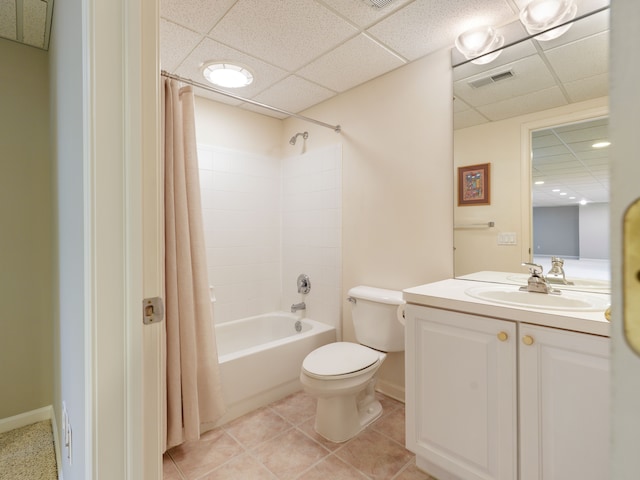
(194, 397)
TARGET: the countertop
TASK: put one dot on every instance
(450, 295)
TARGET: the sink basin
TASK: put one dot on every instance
(567, 301)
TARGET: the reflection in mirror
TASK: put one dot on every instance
(524, 114)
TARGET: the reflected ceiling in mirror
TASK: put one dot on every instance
(532, 75)
(566, 167)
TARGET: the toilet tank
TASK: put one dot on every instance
(377, 314)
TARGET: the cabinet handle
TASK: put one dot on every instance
(503, 336)
(527, 340)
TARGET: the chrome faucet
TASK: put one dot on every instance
(537, 283)
(298, 306)
(556, 274)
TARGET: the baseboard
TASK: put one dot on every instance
(390, 389)
(34, 416)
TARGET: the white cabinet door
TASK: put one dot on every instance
(461, 394)
(564, 405)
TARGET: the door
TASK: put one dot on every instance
(564, 405)
(461, 394)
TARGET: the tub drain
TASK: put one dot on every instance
(298, 326)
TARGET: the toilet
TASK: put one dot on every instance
(341, 375)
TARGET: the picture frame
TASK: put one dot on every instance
(474, 185)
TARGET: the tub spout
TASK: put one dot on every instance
(298, 306)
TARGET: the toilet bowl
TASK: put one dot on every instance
(341, 375)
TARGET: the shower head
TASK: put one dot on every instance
(293, 139)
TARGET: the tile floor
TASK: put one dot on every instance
(279, 442)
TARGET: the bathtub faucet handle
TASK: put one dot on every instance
(304, 284)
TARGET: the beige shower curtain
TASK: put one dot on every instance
(194, 397)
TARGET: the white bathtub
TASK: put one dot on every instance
(260, 358)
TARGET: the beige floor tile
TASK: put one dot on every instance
(296, 408)
(257, 427)
(308, 428)
(334, 469)
(169, 469)
(212, 450)
(241, 467)
(392, 425)
(290, 454)
(375, 454)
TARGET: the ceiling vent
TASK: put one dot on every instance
(378, 3)
(481, 82)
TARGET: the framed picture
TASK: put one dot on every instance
(474, 185)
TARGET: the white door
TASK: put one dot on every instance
(564, 405)
(461, 394)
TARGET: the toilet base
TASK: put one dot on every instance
(340, 418)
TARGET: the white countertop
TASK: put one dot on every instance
(450, 295)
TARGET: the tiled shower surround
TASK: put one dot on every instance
(267, 220)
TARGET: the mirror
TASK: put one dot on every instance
(531, 113)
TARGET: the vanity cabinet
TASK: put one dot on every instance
(564, 404)
(496, 399)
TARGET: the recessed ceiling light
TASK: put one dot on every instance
(601, 144)
(555, 190)
(583, 202)
(572, 198)
(542, 15)
(539, 182)
(563, 193)
(478, 42)
(227, 75)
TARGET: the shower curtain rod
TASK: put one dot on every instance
(335, 128)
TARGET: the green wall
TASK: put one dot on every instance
(26, 326)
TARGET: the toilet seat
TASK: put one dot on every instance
(340, 360)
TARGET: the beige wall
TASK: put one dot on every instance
(230, 127)
(501, 144)
(26, 343)
(397, 160)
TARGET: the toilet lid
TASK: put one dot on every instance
(339, 358)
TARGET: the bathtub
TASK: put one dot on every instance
(260, 358)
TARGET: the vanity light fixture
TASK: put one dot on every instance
(601, 144)
(542, 15)
(478, 42)
(228, 75)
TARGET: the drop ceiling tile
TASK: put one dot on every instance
(468, 118)
(290, 33)
(351, 64)
(264, 74)
(587, 88)
(581, 59)
(34, 20)
(176, 43)
(294, 94)
(530, 75)
(533, 102)
(8, 19)
(198, 15)
(423, 27)
(362, 12)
